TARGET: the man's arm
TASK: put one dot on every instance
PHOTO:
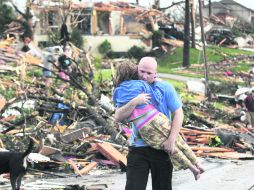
(125, 111)
(174, 131)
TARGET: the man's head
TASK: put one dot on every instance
(147, 69)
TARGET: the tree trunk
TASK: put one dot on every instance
(186, 48)
(157, 4)
(210, 8)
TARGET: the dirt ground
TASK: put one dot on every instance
(220, 174)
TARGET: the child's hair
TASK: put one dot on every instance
(126, 71)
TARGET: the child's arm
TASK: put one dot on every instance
(125, 111)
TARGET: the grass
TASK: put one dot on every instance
(218, 105)
(169, 62)
(172, 63)
(102, 74)
(179, 86)
(7, 93)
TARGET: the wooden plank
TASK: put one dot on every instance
(77, 134)
(212, 149)
(74, 166)
(192, 131)
(2, 102)
(1, 144)
(29, 59)
(111, 153)
(87, 168)
(47, 150)
(227, 155)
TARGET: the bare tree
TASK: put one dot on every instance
(186, 38)
(173, 4)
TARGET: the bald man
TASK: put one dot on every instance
(142, 158)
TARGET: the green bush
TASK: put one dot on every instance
(35, 73)
(97, 61)
(53, 37)
(157, 37)
(7, 93)
(76, 38)
(136, 52)
(6, 15)
(105, 47)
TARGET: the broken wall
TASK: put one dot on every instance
(103, 22)
(82, 20)
(116, 22)
(132, 26)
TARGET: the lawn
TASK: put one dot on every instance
(102, 74)
(172, 63)
(169, 62)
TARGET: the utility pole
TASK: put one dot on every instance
(193, 23)
(207, 93)
(186, 38)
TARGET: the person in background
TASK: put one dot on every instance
(29, 46)
(48, 66)
(65, 62)
(249, 106)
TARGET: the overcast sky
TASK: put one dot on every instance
(164, 3)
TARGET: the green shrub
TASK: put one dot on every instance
(76, 38)
(7, 93)
(105, 47)
(97, 61)
(6, 15)
(35, 73)
(136, 52)
(53, 37)
(157, 37)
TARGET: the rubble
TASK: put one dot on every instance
(85, 138)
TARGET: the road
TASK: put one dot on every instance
(220, 174)
(178, 77)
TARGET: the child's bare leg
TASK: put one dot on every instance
(195, 171)
(201, 169)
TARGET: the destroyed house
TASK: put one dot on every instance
(230, 8)
(123, 25)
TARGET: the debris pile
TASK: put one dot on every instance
(73, 126)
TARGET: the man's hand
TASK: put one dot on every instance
(169, 146)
